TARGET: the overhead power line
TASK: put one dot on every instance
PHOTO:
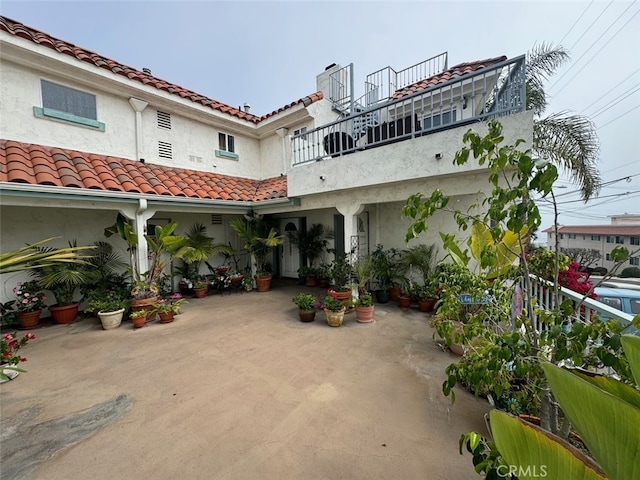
(619, 117)
(599, 50)
(608, 92)
(576, 22)
(615, 101)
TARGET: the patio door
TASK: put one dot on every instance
(290, 261)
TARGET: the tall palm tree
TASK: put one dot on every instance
(568, 141)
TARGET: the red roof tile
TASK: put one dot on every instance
(39, 165)
(15, 28)
(597, 229)
(453, 72)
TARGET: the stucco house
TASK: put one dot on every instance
(624, 230)
(83, 137)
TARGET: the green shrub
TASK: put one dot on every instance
(630, 272)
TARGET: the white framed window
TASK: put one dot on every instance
(572, 236)
(634, 261)
(595, 237)
(226, 146)
(226, 142)
(438, 119)
(634, 240)
(67, 104)
(301, 132)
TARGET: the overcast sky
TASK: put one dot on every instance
(268, 54)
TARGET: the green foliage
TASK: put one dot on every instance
(630, 272)
(385, 266)
(198, 247)
(603, 410)
(365, 299)
(305, 301)
(340, 272)
(34, 257)
(312, 241)
(259, 237)
(542, 263)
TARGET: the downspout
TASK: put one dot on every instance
(282, 133)
(140, 217)
(138, 106)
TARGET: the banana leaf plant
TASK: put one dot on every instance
(604, 411)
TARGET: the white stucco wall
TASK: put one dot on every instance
(20, 92)
(398, 162)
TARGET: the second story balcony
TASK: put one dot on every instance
(451, 98)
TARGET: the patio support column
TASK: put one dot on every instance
(350, 212)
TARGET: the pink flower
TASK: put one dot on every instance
(8, 336)
(7, 355)
(29, 336)
(26, 294)
(23, 359)
(25, 301)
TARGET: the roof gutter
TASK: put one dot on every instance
(22, 190)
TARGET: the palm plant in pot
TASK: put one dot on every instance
(306, 304)
(260, 238)
(384, 271)
(63, 279)
(198, 247)
(311, 242)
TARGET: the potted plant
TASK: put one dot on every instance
(306, 306)
(200, 287)
(139, 318)
(364, 307)
(426, 295)
(168, 308)
(340, 274)
(334, 309)
(383, 267)
(9, 356)
(63, 279)
(109, 305)
(260, 238)
(247, 283)
(28, 304)
(323, 275)
(405, 293)
(311, 242)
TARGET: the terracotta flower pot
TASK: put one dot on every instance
(404, 302)
(166, 317)
(200, 292)
(427, 304)
(139, 322)
(64, 314)
(144, 304)
(343, 295)
(365, 314)
(29, 320)
(263, 282)
(311, 280)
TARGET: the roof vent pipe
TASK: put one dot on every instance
(147, 70)
(247, 107)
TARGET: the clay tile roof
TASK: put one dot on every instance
(41, 38)
(454, 72)
(40, 165)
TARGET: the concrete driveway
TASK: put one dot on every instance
(237, 388)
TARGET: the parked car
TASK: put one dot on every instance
(623, 299)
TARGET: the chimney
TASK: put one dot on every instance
(323, 80)
(247, 107)
(146, 70)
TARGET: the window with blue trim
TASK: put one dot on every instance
(68, 105)
(227, 146)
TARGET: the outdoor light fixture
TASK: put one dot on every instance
(322, 177)
(439, 156)
(464, 102)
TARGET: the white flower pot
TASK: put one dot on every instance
(111, 320)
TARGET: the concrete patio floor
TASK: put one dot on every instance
(237, 388)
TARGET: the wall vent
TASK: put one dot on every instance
(165, 150)
(195, 159)
(216, 219)
(164, 120)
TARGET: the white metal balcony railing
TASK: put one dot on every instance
(491, 92)
(586, 308)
